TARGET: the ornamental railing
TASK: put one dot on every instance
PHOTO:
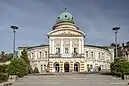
(54, 55)
(78, 55)
(70, 56)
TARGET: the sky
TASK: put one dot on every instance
(35, 18)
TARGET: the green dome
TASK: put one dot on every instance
(65, 17)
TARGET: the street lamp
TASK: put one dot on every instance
(116, 31)
(14, 31)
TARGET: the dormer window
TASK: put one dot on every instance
(58, 17)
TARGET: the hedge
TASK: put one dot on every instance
(3, 77)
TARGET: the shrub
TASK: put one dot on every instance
(3, 68)
(30, 70)
(3, 77)
(17, 67)
(120, 67)
(36, 70)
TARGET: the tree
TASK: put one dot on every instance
(120, 67)
(5, 56)
(24, 56)
(17, 67)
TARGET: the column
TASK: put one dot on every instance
(70, 46)
(61, 66)
(71, 66)
(79, 46)
(83, 46)
(50, 45)
(61, 46)
(53, 48)
(82, 66)
(50, 66)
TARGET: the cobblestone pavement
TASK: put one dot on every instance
(70, 80)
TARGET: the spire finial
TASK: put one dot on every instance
(66, 10)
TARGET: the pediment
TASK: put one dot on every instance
(66, 32)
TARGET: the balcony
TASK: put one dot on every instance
(78, 55)
(54, 55)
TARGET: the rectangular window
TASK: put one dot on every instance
(32, 56)
(57, 50)
(86, 53)
(75, 51)
(40, 54)
(99, 55)
(92, 54)
(45, 53)
(66, 50)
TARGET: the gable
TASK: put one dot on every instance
(66, 32)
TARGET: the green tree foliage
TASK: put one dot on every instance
(5, 57)
(36, 70)
(17, 67)
(24, 56)
(120, 67)
(3, 77)
(3, 68)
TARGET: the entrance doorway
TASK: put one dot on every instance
(66, 67)
(76, 67)
(57, 67)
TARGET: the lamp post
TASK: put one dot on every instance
(14, 31)
(116, 31)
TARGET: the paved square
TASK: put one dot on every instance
(70, 80)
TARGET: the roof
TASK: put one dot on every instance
(28, 47)
(103, 47)
(65, 16)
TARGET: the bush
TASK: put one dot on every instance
(36, 70)
(17, 67)
(3, 77)
(30, 70)
(120, 67)
(3, 68)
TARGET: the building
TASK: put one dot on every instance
(66, 51)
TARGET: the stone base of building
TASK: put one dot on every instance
(67, 65)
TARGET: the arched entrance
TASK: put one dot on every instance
(66, 67)
(76, 67)
(57, 67)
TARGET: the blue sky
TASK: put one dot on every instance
(35, 19)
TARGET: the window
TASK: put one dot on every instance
(32, 56)
(40, 54)
(92, 54)
(45, 53)
(99, 55)
(41, 68)
(86, 53)
(57, 50)
(88, 65)
(66, 51)
(75, 51)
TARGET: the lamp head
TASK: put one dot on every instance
(14, 27)
(116, 28)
